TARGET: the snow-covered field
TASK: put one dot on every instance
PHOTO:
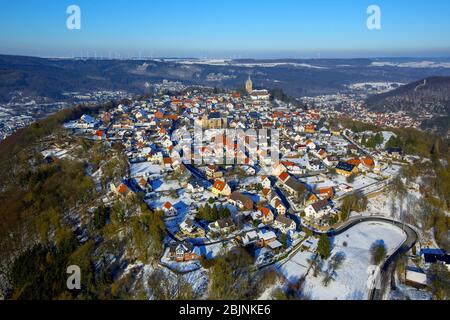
(297, 266)
(414, 64)
(145, 169)
(55, 152)
(350, 279)
(361, 182)
(378, 86)
(197, 279)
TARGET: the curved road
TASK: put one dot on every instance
(388, 266)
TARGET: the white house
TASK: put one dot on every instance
(266, 183)
(318, 210)
(284, 224)
(169, 210)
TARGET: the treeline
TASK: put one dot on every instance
(232, 278)
(412, 141)
(25, 137)
(435, 189)
(213, 213)
(35, 193)
(33, 209)
(373, 141)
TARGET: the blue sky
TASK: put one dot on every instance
(227, 29)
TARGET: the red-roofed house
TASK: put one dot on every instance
(326, 193)
(284, 177)
(169, 210)
(220, 187)
(368, 163)
(267, 215)
(121, 190)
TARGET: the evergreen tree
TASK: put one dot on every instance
(324, 247)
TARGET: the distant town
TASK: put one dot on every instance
(23, 110)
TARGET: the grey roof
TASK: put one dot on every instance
(285, 220)
(320, 205)
(237, 196)
(295, 185)
(225, 223)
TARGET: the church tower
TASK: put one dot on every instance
(249, 85)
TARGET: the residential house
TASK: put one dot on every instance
(241, 201)
(169, 210)
(395, 153)
(326, 193)
(223, 225)
(267, 193)
(314, 165)
(278, 205)
(368, 163)
(266, 237)
(331, 161)
(318, 210)
(193, 186)
(143, 184)
(167, 162)
(221, 188)
(432, 256)
(248, 238)
(182, 252)
(284, 224)
(311, 145)
(266, 215)
(266, 182)
(335, 131)
(322, 154)
(346, 169)
(283, 177)
(192, 230)
(121, 190)
(294, 187)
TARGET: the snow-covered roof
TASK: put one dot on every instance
(416, 277)
(275, 245)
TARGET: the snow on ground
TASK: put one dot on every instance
(267, 294)
(418, 64)
(380, 86)
(145, 169)
(386, 205)
(361, 181)
(96, 176)
(297, 266)
(161, 185)
(182, 267)
(197, 279)
(213, 250)
(351, 279)
(55, 152)
(387, 135)
(408, 293)
(249, 181)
